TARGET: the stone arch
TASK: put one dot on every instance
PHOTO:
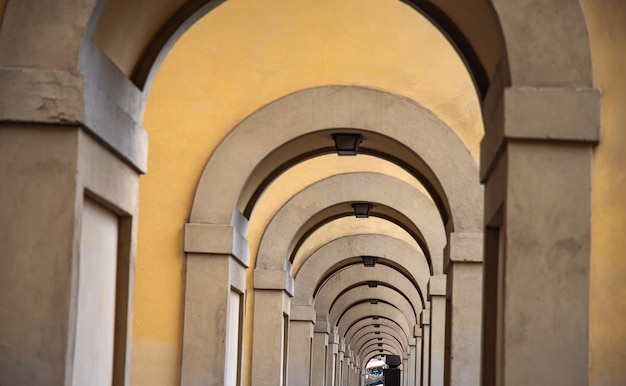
(364, 293)
(289, 224)
(367, 325)
(348, 226)
(323, 259)
(423, 137)
(385, 345)
(383, 310)
(359, 275)
(370, 334)
(28, 53)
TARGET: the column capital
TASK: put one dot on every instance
(425, 317)
(273, 279)
(552, 113)
(322, 326)
(463, 247)
(302, 313)
(217, 239)
(437, 286)
(541, 114)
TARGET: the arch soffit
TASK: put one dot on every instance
(356, 275)
(318, 265)
(364, 293)
(312, 206)
(384, 345)
(349, 226)
(322, 108)
(382, 310)
(476, 35)
(367, 324)
(362, 337)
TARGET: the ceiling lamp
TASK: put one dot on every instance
(380, 345)
(362, 209)
(374, 301)
(372, 283)
(347, 144)
(369, 261)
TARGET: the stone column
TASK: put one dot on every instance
(67, 256)
(412, 365)
(425, 324)
(272, 297)
(437, 298)
(320, 349)
(464, 270)
(339, 364)
(333, 349)
(537, 170)
(217, 257)
(346, 368)
(405, 372)
(418, 354)
(301, 323)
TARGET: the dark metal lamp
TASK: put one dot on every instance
(347, 144)
(362, 209)
(369, 261)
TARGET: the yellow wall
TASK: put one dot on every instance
(238, 58)
(606, 20)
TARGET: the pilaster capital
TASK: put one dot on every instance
(425, 317)
(540, 114)
(322, 326)
(273, 279)
(552, 113)
(302, 313)
(218, 240)
(464, 247)
(417, 330)
(437, 286)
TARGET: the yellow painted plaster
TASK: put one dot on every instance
(606, 21)
(238, 58)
